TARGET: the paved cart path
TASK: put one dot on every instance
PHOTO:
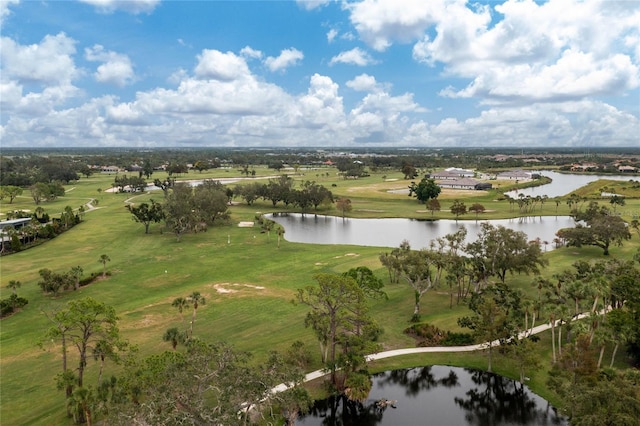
(434, 349)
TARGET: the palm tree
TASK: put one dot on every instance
(104, 259)
(14, 285)
(101, 351)
(76, 272)
(172, 335)
(39, 212)
(527, 306)
(280, 233)
(196, 299)
(180, 303)
(602, 337)
(81, 403)
(620, 323)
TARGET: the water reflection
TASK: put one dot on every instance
(438, 395)
(316, 229)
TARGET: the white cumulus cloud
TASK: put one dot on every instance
(216, 65)
(355, 56)
(49, 62)
(115, 69)
(130, 6)
(287, 58)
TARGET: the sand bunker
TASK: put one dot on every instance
(245, 224)
(346, 254)
(223, 288)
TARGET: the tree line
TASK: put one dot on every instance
(193, 209)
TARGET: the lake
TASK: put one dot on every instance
(564, 183)
(320, 229)
(439, 396)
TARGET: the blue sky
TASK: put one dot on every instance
(319, 73)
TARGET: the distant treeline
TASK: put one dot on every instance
(24, 167)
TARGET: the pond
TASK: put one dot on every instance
(564, 183)
(439, 396)
(317, 229)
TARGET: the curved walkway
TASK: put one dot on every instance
(433, 349)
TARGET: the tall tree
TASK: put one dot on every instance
(84, 324)
(210, 202)
(601, 228)
(433, 205)
(76, 273)
(409, 171)
(477, 208)
(344, 205)
(147, 168)
(180, 303)
(179, 210)
(498, 250)
(146, 214)
(11, 192)
(458, 208)
(494, 317)
(422, 269)
(104, 259)
(195, 299)
(337, 311)
(14, 285)
(173, 336)
(425, 190)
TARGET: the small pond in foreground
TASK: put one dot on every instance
(317, 229)
(438, 396)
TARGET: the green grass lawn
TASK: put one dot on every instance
(247, 281)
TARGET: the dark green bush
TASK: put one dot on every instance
(430, 335)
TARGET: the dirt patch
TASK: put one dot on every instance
(347, 255)
(226, 288)
(320, 264)
(146, 321)
(245, 225)
(459, 193)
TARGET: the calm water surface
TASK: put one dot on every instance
(564, 184)
(438, 396)
(316, 229)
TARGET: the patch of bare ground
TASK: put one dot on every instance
(347, 255)
(388, 185)
(460, 193)
(229, 288)
(447, 210)
(147, 321)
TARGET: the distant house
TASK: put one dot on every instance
(584, 167)
(463, 173)
(627, 169)
(110, 169)
(462, 183)
(14, 223)
(514, 175)
(444, 175)
(452, 173)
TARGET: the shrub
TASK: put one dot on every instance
(430, 335)
(10, 304)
